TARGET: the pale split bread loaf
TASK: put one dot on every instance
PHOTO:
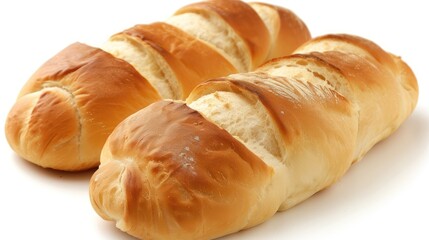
(245, 146)
(67, 109)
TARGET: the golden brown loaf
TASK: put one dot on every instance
(67, 109)
(245, 146)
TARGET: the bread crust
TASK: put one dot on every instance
(244, 20)
(99, 88)
(316, 112)
(56, 120)
(193, 60)
(170, 187)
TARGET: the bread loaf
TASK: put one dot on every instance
(248, 145)
(70, 105)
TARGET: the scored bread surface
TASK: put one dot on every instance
(201, 41)
(302, 120)
(147, 62)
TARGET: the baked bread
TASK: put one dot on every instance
(248, 145)
(67, 109)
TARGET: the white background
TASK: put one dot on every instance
(385, 196)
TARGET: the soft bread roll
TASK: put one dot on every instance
(245, 146)
(67, 109)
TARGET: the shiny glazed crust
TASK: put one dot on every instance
(59, 122)
(248, 145)
(66, 110)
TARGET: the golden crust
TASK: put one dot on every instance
(303, 113)
(374, 51)
(71, 105)
(177, 187)
(243, 19)
(45, 117)
(198, 58)
(201, 178)
(346, 98)
(93, 91)
(279, 96)
(292, 32)
(376, 77)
